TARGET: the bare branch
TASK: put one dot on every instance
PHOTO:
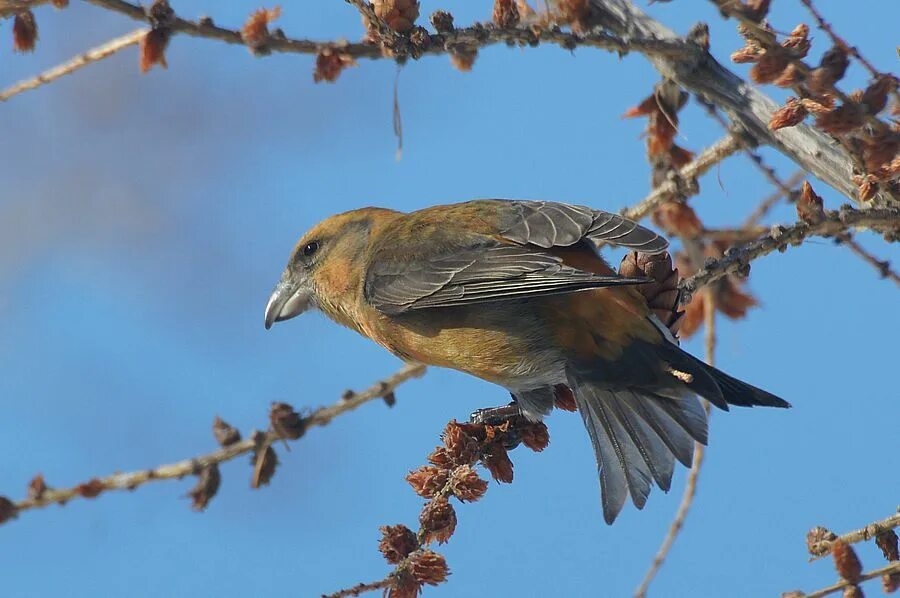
(70, 66)
(823, 548)
(675, 186)
(361, 588)
(131, 480)
(737, 259)
(892, 568)
(9, 8)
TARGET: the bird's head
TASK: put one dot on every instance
(326, 266)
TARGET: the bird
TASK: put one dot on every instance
(515, 292)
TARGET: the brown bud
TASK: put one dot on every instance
(90, 489)
(809, 205)
(427, 481)
(403, 585)
(286, 422)
(880, 148)
(876, 95)
(60, 3)
(329, 65)
(207, 485)
(890, 582)
(768, 68)
(496, 460)
(400, 15)
(438, 520)
(789, 77)
(757, 9)
(153, 49)
(535, 435)
(506, 14)
(563, 398)
(831, 69)
(255, 32)
(442, 21)
(789, 115)
(467, 485)
(264, 462)
(887, 542)
(397, 541)
(429, 567)
(678, 218)
(37, 487)
(867, 189)
(751, 52)
(525, 10)
(463, 58)
(576, 14)
(798, 41)
(225, 434)
(461, 445)
(7, 509)
(441, 457)
(852, 592)
(845, 560)
(843, 119)
(25, 32)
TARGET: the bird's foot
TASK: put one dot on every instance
(497, 416)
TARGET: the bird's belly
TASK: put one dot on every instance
(503, 346)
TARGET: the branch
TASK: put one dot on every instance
(701, 74)
(70, 66)
(675, 187)
(823, 548)
(9, 8)
(131, 480)
(737, 259)
(892, 568)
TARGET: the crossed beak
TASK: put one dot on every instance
(290, 298)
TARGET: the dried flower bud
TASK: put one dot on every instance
(789, 115)
(576, 14)
(461, 445)
(535, 436)
(25, 32)
(427, 481)
(789, 77)
(809, 205)
(563, 398)
(400, 15)
(7, 509)
(153, 49)
(867, 189)
(264, 462)
(438, 520)
(429, 567)
(403, 585)
(397, 542)
(442, 458)
(751, 52)
(816, 536)
(207, 485)
(852, 592)
(442, 21)
(286, 422)
(798, 41)
(890, 582)
(757, 9)
(887, 541)
(876, 95)
(769, 67)
(225, 434)
(506, 14)
(845, 560)
(90, 489)
(466, 484)
(496, 460)
(525, 10)
(678, 218)
(329, 65)
(463, 58)
(255, 31)
(831, 69)
(843, 119)
(37, 487)
(880, 148)
(60, 3)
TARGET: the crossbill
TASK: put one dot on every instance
(515, 293)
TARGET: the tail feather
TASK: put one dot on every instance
(668, 430)
(653, 450)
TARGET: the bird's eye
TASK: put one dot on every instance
(310, 248)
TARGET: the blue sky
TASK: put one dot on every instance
(144, 220)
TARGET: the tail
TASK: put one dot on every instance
(639, 432)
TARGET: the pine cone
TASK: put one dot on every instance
(662, 295)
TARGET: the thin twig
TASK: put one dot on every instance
(9, 8)
(690, 488)
(823, 548)
(360, 588)
(80, 61)
(883, 266)
(131, 480)
(737, 259)
(891, 568)
(674, 187)
(769, 201)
